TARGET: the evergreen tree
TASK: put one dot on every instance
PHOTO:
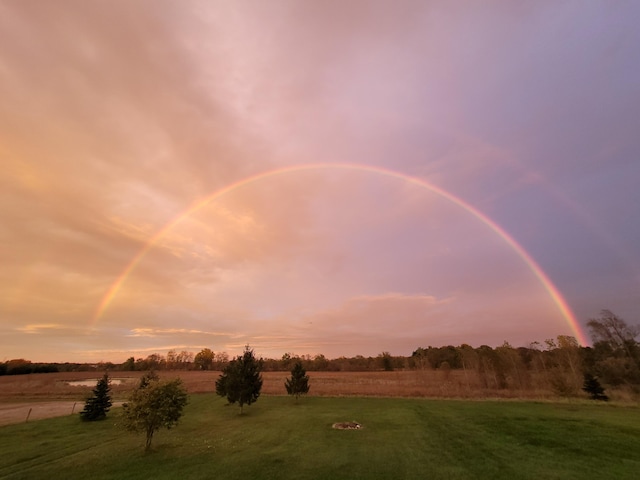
(97, 405)
(593, 388)
(241, 381)
(221, 382)
(298, 384)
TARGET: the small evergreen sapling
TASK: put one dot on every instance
(298, 384)
(99, 403)
(593, 388)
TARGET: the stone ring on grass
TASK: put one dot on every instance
(347, 426)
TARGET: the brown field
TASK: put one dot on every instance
(49, 394)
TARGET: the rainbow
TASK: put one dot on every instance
(548, 285)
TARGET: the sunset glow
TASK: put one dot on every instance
(341, 178)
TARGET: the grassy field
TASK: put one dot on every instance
(401, 438)
(408, 383)
(49, 394)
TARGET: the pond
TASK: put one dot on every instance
(93, 382)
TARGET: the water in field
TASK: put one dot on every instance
(93, 382)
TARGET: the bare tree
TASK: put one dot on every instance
(616, 353)
(614, 331)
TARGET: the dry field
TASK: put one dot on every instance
(49, 394)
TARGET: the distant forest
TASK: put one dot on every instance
(560, 364)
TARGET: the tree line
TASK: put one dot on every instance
(560, 363)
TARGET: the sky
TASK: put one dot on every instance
(336, 178)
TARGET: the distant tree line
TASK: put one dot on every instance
(20, 366)
(560, 364)
(206, 359)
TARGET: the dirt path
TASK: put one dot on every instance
(18, 412)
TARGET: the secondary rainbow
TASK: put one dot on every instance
(551, 289)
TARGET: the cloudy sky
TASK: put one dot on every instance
(336, 177)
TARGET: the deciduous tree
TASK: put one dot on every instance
(221, 360)
(615, 333)
(386, 361)
(129, 365)
(616, 352)
(204, 359)
(184, 359)
(153, 405)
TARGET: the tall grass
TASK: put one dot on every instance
(401, 438)
(407, 383)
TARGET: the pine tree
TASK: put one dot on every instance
(593, 388)
(298, 384)
(241, 381)
(97, 405)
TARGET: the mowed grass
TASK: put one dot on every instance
(277, 438)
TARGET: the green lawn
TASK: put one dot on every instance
(277, 438)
